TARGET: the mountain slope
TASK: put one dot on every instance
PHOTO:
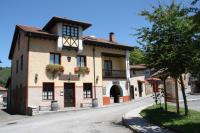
(4, 75)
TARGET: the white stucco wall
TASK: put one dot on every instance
(107, 84)
(138, 76)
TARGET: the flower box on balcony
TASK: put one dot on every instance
(54, 69)
(81, 70)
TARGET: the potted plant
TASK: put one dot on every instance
(81, 70)
(54, 69)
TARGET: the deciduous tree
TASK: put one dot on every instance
(168, 40)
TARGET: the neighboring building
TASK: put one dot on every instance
(139, 86)
(81, 68)
(3, 95)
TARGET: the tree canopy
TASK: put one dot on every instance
(137, 56)
(194, 67)
(168, 40)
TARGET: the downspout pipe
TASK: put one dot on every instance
(94, 100)
(94, 73)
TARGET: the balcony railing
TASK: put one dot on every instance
(114, 73)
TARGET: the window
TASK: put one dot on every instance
(17, 65)
(48, 91)
(81, 61)
(87, 90)
(21, 63)
(71, 31)
(54, 58)
(108, 67)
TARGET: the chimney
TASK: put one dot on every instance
(112, 37)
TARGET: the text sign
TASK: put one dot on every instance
(74, 77)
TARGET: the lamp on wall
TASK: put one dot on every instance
(36, 78)
(97, 79)
(69, 76)
(68, 58)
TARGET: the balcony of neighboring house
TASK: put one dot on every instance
(114, 66)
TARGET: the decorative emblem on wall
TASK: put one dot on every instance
(72, 77)
(115, 82)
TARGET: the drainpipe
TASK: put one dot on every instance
(94, 101)
(94, 73)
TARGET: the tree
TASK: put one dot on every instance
(137, 56)
(168, 41)
(194, 68)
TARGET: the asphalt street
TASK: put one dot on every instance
(100, 120)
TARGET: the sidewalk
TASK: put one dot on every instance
(135, 122)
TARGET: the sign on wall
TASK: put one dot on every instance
(147, 73)
(72, 77)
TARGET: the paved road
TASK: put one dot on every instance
(194, 105)
(193, 101)
(103, 120)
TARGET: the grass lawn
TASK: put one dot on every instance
(171, 120)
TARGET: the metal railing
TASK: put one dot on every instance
(114, 73)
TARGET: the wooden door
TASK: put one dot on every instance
(140, 89)
(69, 95)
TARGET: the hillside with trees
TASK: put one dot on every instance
(4, 75)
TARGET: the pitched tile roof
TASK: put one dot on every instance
(2, 88)
(34, 30)
(30, 31)
(138, 67)
(56, 19)
(37, 32)
(103, 42)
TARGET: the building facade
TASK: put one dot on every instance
(3, 95)
(139, 85)
(58, 63)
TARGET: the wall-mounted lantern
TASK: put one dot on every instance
(36, 78)
(68, 58)
(97, 79)
(69, 76)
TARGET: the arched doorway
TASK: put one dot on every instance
(116, 92)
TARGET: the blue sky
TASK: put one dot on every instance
(119, 16)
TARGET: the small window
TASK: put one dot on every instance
(54, 58)
(104, 91)
(48, 91)
(71, 31)
(87, 90)
(81, 61)
(21, 63)
(17, 65)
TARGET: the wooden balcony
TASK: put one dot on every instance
(114, 74)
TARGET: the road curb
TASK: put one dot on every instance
(137, 128)
(127, 125)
